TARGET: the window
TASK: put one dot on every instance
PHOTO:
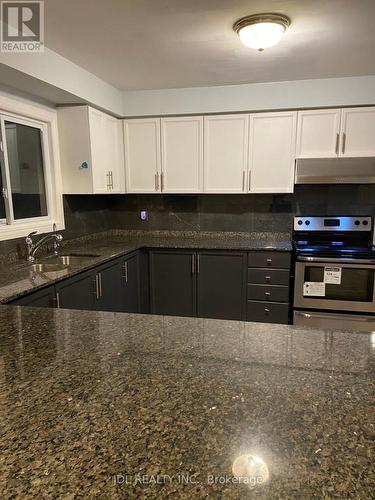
(30, 176)
(23, 171)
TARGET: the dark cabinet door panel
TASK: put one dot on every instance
(78, 292)
(130, 285)
(172, 282)
(41, 298)
(221, 288)
(110, 287)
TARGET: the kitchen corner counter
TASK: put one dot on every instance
(89, 396)
(16, 278)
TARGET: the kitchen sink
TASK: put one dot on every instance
(47, 268)
(69, 260)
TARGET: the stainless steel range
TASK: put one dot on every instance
(334, 272)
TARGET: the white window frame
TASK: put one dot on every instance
(30, 114)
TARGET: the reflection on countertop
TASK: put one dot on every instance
(16, 278)
(91, 401)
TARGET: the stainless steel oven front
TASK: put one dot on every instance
(335, 284)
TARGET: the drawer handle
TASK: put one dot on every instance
(269, 261)
(267, 294)
(266, 310)
(268, 278)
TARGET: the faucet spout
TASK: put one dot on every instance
(32, 247)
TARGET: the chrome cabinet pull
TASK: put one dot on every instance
(100, 285)
(96, 292)
(269, 262)
(193, 264)
(125, 268)
(198, 264)
(243, 180)
(56, 300)
(157, 181)
(267, 294)
(343, 142)
(162, 181)
(266, 310)
(268, 278)
(111, 178)
(249, 180)
(337, 143)
(108, 181)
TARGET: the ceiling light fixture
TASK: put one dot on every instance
(261, 31)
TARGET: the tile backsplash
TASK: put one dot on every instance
(87, 214)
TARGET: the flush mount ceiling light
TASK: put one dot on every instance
(261, 31)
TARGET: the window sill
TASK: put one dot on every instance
(11, 232)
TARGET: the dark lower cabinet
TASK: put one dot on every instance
(41, 298)
(78, 292)
(130, 292)
(172, 283)
(108, 280)
(221, 285)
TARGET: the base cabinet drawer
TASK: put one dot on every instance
(273, 293)
(268, 276)
(267, 312)
(269, 259)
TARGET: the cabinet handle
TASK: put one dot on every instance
(268, 279)
(100, 285)
(267, 294)
(266, 310)
(337, 143)
(249, 180)
(269, 262)
(162, 181)
(198, 264)
(125, 268)
(157, 181)
(243, 181)
(343, 142)
(111, 178)
(57, 300)
(193, 264)
(96, 292)
(108, 181)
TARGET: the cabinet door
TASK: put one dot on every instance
(78, 292)
(221, 285)
(41, 298)
(272, 152)
(318, 133)
(358, 132)
(130, 285)
(113, 139)
(225, 153)
(182, 154)
(99, 151)
(173, 283)
(110, 287)
(142, 155)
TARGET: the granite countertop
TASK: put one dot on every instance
(16, 278)
(89, 400)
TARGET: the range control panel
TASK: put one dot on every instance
(332, 223)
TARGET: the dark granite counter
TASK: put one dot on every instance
(104, 405)
(16, 278)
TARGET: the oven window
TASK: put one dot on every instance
(356, 284)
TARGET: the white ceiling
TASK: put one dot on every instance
(153, 44)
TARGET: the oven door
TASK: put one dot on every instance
(334, 321)
(331, 284)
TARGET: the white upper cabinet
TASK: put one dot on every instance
(358, 132)
(182, 154)
(272, 152)
(91, 151)
(318, 133)
(225, 153)
(142, 155)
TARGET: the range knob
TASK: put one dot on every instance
(307, 222)
(365, 222)
(357, 222)
(300, 223)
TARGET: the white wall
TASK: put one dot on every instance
(253, 97)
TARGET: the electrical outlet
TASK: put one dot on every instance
(144, 215)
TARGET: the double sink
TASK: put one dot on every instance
(60, 262)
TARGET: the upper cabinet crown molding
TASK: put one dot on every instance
(182, 154)
(272, 152)
(91, 151)
(226, 139)
(142, 155)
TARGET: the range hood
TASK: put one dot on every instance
(335, 171)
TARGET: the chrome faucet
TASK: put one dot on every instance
(33, 247)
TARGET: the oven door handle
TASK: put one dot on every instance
(335, 260)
